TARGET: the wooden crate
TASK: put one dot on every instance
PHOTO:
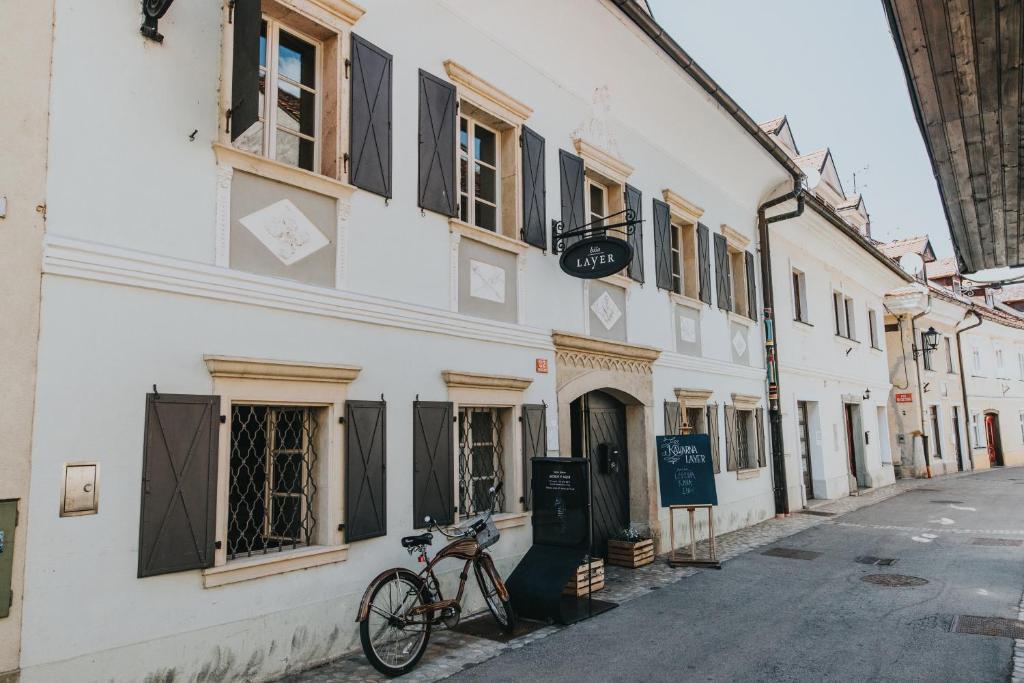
(579, 585)
(633, 555)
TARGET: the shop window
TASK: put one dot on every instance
(800, 297)
(479, 174)
(272, 487)
(481, 456)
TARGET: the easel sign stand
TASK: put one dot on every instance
(687, 482)
(678, 558)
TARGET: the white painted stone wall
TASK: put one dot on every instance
(132, 297)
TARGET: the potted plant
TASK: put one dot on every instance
(630, 548)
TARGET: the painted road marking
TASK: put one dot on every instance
(964, 508)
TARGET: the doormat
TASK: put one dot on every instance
(988, 626)
(816, 513)
(791, 553)
(487, 627)
(998, 541)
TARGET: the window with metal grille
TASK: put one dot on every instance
(746, 448)
(481, 458)
(695, 421)
(272, 481)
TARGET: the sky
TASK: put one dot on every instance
(832, 68)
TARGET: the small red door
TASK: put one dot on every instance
(992, 439)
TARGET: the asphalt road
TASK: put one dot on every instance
(764, 618)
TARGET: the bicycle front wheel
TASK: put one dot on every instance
(500, 608)
(395, 632)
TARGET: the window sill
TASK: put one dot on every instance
(687, 301)
(849, 340)
(748, 474)
(877, 348)
(803, 323)
(282, 173)
(487, 237)
(510, 520)
(741, 319)
(269, 565)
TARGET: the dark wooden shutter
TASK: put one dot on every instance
(179, 483)
(365, 470)
(437, 145)
(722, 273)
(570, 173)
(535, 435)
(731, 447)
(662, 245)
(433, 461)
(751, 287)
(634, 203)
(247, 18)
(704, 263)
(711, 418)
(370, 118)
(673, 418)
(759, 422)
(534, 193)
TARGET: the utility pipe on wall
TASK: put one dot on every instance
(963, 382)
(920, 387)
(770, 341)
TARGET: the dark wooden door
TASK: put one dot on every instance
(805, 447)
(851, 451)
(995, 453)
(599, 433)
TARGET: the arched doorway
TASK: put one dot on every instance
(993, 439)
(598, 424)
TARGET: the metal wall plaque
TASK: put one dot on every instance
(79, 489)
(596, 257)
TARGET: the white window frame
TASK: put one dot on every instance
(589, 210)
(471, 198)
(799, 284)
(873, 328)
(268, 117)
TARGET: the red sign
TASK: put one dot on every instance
(905, 398)
(542, 366)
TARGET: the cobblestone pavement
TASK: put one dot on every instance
(450, 651)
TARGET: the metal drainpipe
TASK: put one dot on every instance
(963, 381)
(920, 387)
(770, 342)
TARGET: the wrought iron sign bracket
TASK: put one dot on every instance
(152, 12)
(592, 229)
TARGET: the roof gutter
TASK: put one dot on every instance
(662, 39)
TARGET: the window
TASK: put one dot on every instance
(1000, 367)
(271, 502)
(949, 355)
(936, 436)
(1020, 365)
(746, 440)
(288, 125)
(684, 259)
(481, 458)
(838, 312)
(926, 354)
(976, 360)
(850, 318)
(694, 421)
(738, 282)
(873, 328)
(977, 433)
(800, 297)
(479, 190)
(597, 196)
(1020, 422)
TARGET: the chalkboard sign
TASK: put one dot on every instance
(685, 471)
(561, 502)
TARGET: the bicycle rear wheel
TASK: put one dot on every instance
(500, 609)
(393, 639)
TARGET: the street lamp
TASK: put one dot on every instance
(929, 342)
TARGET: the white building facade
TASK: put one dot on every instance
(283, 323)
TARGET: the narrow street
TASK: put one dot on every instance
(770, 618)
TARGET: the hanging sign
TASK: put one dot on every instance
(596, 257)
(685, 470)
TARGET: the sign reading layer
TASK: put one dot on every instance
(596, 257)
(685, 470)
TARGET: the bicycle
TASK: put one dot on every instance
(399, 608)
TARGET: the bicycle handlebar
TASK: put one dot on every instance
(478, 525)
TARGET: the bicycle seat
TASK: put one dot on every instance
(421, 539)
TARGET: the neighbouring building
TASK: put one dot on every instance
(25, 73)
(299, 292)
(830, 283)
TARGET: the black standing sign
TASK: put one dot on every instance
(561, 502)
(685, 470)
